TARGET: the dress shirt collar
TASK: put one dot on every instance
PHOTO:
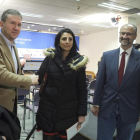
(128, 51)
(7, 41)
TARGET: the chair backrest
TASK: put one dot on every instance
(91, 73)
(36, 99)
(92, 84)
(22, 92)
(87, 79)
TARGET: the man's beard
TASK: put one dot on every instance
(123, 43)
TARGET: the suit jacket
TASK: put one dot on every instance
(9, 80)
(107, 86)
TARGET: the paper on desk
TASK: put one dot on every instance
(72, 131)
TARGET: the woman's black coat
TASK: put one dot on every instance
(65, 95)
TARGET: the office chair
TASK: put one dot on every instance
(32, 107)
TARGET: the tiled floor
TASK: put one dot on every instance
(28, 125)
(90, 130)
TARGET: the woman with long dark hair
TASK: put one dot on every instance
(64, 100)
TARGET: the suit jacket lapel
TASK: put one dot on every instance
(114, 65)
(18, 62)
(132, 64)
(7, 52)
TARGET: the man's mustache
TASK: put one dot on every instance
(124, 39)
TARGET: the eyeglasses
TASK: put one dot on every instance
(126, 33)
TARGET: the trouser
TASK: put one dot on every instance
(106, 127)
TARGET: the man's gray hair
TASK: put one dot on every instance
(10, 12)
(134, 26)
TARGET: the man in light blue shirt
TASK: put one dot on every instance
(10, 70)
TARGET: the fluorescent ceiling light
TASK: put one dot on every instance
(69, 20)
(112, 6)
(98, 18)
(138, 13)
(99, 25)
(51, 25)
(32, 15)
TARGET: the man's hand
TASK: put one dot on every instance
(34, 79)
(81, 119)
(3, 137)
(95, 110)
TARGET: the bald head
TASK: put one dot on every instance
(128, 34)
(130, 25)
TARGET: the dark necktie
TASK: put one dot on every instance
(121, 68)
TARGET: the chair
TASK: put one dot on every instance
(32, 107)
(87, 81)
(93, 76)
(91, 88)
(90, 101)
(22, 94)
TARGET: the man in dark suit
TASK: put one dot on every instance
(117, 93)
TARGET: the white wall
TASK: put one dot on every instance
(93, 46)
(138, 34)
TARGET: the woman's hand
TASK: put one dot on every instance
(3, 137)
(81, 119)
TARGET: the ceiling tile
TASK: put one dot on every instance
(77, 6)
(61, 3)
(89, 11)
(27, 10)
(15, 2)
(88, 2)
(48, 9)
(67, 16)
(1, 2)
(66, 10)
(42, 1)
(33, 4)
(8, 6)
(135, 4)
(54, 9)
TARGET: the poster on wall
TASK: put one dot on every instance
(33, 43)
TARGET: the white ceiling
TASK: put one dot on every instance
(68, 9)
